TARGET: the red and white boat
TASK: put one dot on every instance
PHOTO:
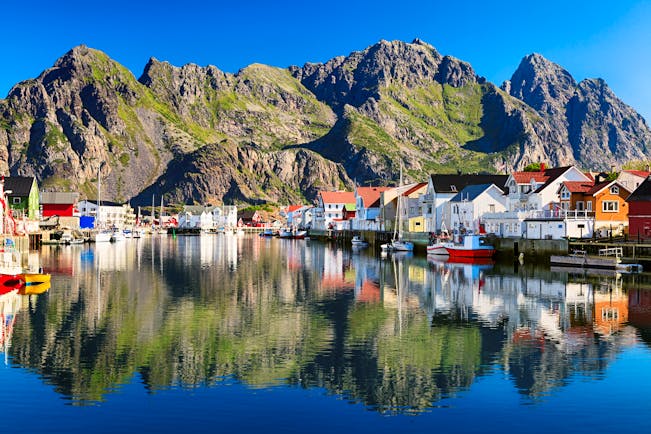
(471, 246)
(438, 248)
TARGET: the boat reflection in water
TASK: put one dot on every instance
(397, 333)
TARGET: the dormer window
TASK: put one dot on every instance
(614, 189)
(565, 194)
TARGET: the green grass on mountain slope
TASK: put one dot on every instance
(440, 114)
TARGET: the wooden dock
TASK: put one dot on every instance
(631, 252)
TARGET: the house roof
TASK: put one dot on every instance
(197, 209)
(292, 208)
(337, 196)
(104, 202)
(19, 185)
(642, 193)
(525, 177)
(456, 183)
(577, 186)
(471, 192)
(640, 173)
(598, 187)
(415, 188)
(552, 175)
(247, 215)
(57, 197)
(370, 195)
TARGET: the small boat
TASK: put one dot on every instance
(358, 241)
(38, 288)
(32, 279)
(285, 233)
(437, 247)
(267, 233)
(117, 235)
(470, 246)
(102, 236)
(10, 281)
(398, 246)
(299, 235)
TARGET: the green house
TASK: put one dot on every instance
(22, 196)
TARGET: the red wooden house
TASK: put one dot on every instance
(58, 203)
(639, 212)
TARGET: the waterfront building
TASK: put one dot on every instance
(59, 209)
(22, 196)
(249, 218)
(639, 212)
(368, 208)
(196, 217)
(294, 215)
(534, 207)
(224, 216)
(108, 214)
(442, 188)
(330, 213)
(412, 206)
(605, 202)
(464, 211)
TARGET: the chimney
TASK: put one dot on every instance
(542, 167)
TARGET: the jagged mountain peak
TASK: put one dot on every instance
(360, 76)
(541, 83)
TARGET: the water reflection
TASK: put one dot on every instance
(396, 333)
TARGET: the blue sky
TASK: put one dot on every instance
(604, 39)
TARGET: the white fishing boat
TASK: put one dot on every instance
(358, 241)
(117, 235)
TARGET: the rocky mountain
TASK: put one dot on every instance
(265, 134)
(596, 129)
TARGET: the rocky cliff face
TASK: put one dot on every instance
(198, 134)
(593, 127)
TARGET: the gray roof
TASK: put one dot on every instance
(454, 183)
(19, 185)
(57, 197)
(471, 192)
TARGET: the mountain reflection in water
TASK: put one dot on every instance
(394, 333)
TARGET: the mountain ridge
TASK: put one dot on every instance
(353, 117)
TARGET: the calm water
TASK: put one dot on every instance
(244, 334)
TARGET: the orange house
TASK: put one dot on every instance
(606, 201)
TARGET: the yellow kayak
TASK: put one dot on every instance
(36, 278)
(34, 288)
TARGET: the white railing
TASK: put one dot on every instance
(617, 252)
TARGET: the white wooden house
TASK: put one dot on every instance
(442, 188)
(465, 210)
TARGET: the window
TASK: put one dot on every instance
(565, 205)
(614, 190)
(453, 188)
(455, 209)
(565, 194)
(610, 206)
(579, 206)
(16, 200)
(491, 207)
(588, 205)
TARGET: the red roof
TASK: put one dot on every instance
(525, 177)
(578, 186)
(371, 195)
(415, 188)
(640, 173)
(292, 208)
(337, 197)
